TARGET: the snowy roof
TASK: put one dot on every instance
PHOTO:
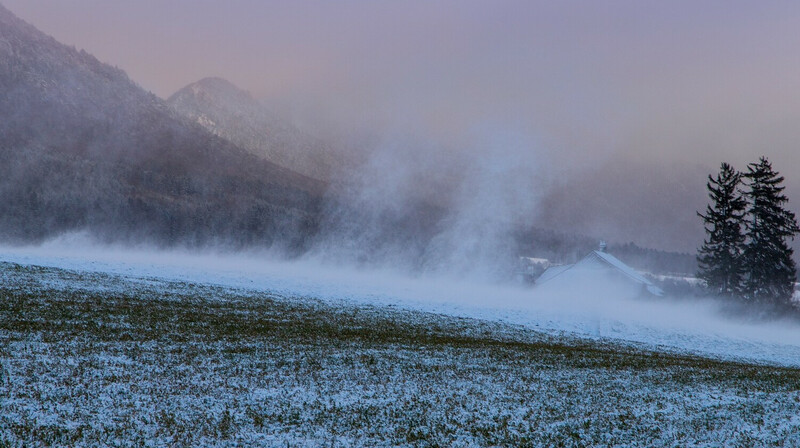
(602, 260)
(536, 260)
(617, 264)
(551, 272)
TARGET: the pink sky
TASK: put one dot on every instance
(676, 80)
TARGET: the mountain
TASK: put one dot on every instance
(83, 147)
(233, 114)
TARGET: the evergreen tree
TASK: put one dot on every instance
(771, 271)
(720, 257)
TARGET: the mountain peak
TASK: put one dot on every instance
(234, 114)
(212, 89)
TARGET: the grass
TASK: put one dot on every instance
(92, 359)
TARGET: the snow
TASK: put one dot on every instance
(615, 262)
(684, 326)
(205, 387)
(588, 266)
(552, 272)
(537, 260)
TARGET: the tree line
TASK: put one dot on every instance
(746, 254)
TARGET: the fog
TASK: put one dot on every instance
(600, 309)
(473, 123)
(413, 205)
(589, 86)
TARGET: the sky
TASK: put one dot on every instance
(680, 83)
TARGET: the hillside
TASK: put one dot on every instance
(231, 113)
(90, 358)
(83, 147)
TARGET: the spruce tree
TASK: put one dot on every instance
(720, 256)
(771, 271)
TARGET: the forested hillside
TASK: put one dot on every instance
(83, 147)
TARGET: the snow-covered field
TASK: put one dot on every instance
(691, 326)
(127, 348)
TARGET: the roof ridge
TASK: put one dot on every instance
(621, 266)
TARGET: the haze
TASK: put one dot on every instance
(581, 86)
(598, 309)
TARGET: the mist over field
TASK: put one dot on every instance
(624, 107)
(450, 159)
(356, 223)
(600, 308)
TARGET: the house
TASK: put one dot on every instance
(529, 269)
(598, 268)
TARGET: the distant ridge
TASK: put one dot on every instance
(83, 147)
(232, 113)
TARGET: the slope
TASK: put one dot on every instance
(89, 357)
(83, 147)
(234, 114)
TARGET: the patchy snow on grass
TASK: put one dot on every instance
(90, 358)
(593, 311)
(173, 355)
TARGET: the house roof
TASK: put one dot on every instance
(551, 272)
(601, 260)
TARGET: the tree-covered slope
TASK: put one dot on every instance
(83, 147)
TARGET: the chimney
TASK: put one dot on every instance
(603, 246)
